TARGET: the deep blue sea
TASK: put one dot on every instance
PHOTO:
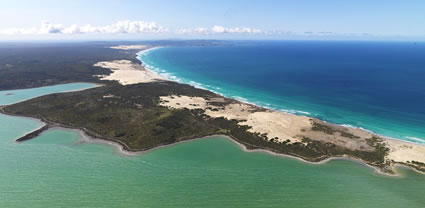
(379, 86)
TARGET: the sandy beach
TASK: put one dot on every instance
(127, 72)
(405, 152)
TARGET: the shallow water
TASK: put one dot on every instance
(59, 169)
(14, 96)
(379, 86)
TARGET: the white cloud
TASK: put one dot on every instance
(120, 27)
(246, 30)
(219, 30)
(126, 26)
(199, 30)
(143, 27)
(48, 28)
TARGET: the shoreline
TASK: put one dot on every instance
(86, 136)
(243, 100)
(91, 137)
(123, 151)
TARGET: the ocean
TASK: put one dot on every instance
(378, 86)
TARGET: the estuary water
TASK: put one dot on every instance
(379, 86)
(60, 169)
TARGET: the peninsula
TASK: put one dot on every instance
(141, 110)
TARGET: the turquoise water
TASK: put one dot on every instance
(57, 169)
(14, 96)
(60, 169)
(379, 86)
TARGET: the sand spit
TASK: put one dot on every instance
(127, 72)
(130, 47)
(33, 134)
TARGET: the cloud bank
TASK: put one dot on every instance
(144, 27)
(122, 27)
(126, 26)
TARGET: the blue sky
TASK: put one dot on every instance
(249, 19)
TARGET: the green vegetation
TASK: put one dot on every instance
(329, 130)
(44, 65)
(416, 165)
(419, 163)
(131, 116)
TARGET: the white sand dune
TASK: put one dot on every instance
(127, 72)
(274, 124)
(405, 152)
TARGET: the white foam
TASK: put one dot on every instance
(145, 52)
(415, 139)
(303, 112)
(367, 130)
(244, 100)
(291, 111)
(350, 126)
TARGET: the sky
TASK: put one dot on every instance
(215, 19)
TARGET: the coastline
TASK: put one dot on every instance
(122, 148)
(393, 143)
(91, 137)
(287, 111)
